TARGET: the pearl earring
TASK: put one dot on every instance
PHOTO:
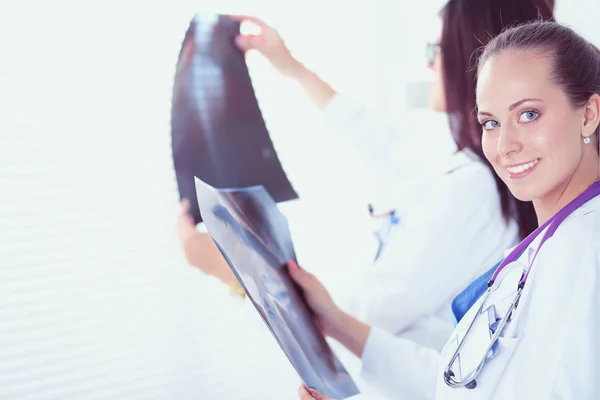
(587, 140)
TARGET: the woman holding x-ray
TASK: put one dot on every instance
(531, 324)
(464, 196)
(479, 215)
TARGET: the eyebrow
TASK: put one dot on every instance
(512, 106)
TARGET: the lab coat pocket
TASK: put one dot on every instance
(491, 378)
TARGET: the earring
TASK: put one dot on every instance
(587, 140)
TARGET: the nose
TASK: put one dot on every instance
(508, 142)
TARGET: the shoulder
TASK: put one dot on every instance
(469, 179)
(569, 262)
(465, 164)
(579, 234)
(466, 199)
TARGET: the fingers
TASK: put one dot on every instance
(185, 206)
(304, 394)
(308, 394)
(184, 212)
(300, 273)
(248, 42)
(300, 276)
(316, 395)
(292, 264)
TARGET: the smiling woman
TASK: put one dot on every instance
(538, 98)
(531, 329)
(538, 136)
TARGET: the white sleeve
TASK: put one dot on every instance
(456, 234)
(396, 365)
(373, 138)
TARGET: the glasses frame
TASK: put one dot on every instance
(432, 51)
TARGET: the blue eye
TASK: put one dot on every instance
(528, 116)
(490, 124)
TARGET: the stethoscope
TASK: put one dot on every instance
(381, 234)
(468, 379)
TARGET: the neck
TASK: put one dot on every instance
(583, 177)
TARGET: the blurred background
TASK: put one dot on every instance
(96, 299)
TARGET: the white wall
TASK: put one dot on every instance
(581, 15)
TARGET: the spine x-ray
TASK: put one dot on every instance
(253, 236)
(217, 129)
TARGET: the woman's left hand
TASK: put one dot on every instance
(199, 249)
(309, 394)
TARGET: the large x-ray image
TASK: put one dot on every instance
(217, 129)
(253, 236)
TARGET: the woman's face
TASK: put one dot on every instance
(532, 135)
(437, 93)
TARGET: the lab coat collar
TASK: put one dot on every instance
(527, 257)
(469, 296)
(460, 159)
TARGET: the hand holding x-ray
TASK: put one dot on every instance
(255, 240)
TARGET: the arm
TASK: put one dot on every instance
(399, 367)
(199, 249)
(319, 91)
(270, 44)
(201, 252)
(335, 323)
(367, 132)
(393, 364)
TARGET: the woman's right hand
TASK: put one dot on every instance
(269, 43)
(305, 394)
(334, 322)
(318, 298)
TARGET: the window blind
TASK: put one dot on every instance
(96, 300)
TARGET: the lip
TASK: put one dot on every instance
(521, 174)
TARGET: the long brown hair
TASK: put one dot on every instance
(467, 26)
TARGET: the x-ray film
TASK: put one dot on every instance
(254, 238)
(217, 129)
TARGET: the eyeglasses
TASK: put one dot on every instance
(432, 52)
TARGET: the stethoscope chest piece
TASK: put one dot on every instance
(477, 344)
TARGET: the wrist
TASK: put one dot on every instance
(335, 323)
(349, 331)
(293, 69)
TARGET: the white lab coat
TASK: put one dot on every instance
(450, 233)
(458, 209)
(550, 349)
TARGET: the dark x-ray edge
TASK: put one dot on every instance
(321, 369)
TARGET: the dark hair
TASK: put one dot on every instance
(575, 62)
(467, 26)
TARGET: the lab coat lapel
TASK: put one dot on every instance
(493, 371)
